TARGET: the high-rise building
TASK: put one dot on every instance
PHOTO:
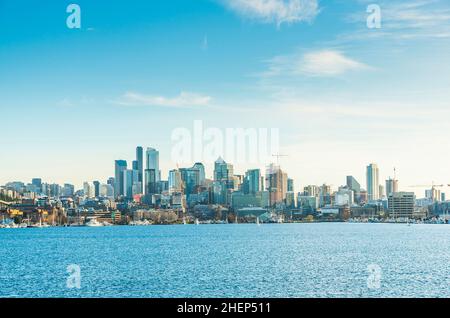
(223, 172)
(106, 191)
(96, 188)
(150, 181)
(152, 156)
(140, 166)
(373, 184)
(89, 189)
(345, 196)
(175, 182)
(68, 190)
(433, 194)
(307, 204)
(290, 185)
(353, 185)
(190, 178)
(111, 181)
(401, 204)
(276, 182)
(325, 195)
(311, 191)
(201, 172)
(391, 186)
(381, 193)
(37, 183)
(252, 180)
(130, 179)
(120, 167)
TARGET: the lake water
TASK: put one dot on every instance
(279, 260)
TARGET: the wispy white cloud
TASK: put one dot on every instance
(275, 11)
(327, 63)
(184, 99)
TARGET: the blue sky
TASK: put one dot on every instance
(341, 94)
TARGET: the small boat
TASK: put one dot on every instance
(94, 223)
(197, 222)
(257, 221)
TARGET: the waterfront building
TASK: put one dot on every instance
(290, 200)
(241, 200)
(401, 204)
(120, 167)
(372, 177)
(307, 204)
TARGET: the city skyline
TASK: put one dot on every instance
(341, 94)
(151, 162)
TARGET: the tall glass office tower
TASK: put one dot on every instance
(140, 166)
(120, 167)
(373, 184)
(152, 156)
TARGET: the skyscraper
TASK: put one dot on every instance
(391, 186)
(130, 178)
(223, 172)
(150, 182)
(140, 166)
(201, 172)
(96, 188)
(290, 185)
(252, 181)
(353, 185)
(152, 156)
(120, 167)
(373, 183)
(37, 182)
(191, 180)
(276, 182)
(175, 182)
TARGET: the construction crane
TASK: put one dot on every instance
(433, 185)
(278, 157)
